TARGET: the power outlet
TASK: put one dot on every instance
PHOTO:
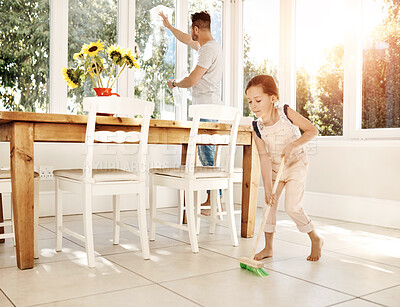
(46, 172)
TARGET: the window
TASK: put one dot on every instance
(261, 42)
(319, 64)
(156, 53)
(24, 55)
(89, 21)
(381, 65)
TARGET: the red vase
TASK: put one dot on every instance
(104, 91)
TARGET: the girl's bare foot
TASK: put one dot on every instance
(265, 253)
(316, 247)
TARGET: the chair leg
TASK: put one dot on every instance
(144, 241)
(87, 224)
(197, 211)
(59, 215)
(181, 206)
(12, 224)
(213, 205)
(116, 217)
(153, 208)
(36, 219)
(1, 218)
(191, 221)
(219, 207)
(231, 215)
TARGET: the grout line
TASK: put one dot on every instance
(349, 300)
(380, 290)
(1, 290)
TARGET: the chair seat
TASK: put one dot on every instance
(199, 172)
(5, 174)
(98, 175)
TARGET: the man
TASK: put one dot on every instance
(206, 77)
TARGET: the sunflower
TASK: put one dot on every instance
(71, 77)
(116, 53)
(130, 60)
(95, 68)
(79, 55)
(93, 48)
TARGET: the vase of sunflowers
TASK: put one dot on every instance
(99, 66)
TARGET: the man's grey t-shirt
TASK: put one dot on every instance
(207, 90)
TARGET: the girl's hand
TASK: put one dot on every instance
(270, 199)
(287, 152)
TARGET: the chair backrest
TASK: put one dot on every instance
(131, 107)
(223, 113)
(244, 121)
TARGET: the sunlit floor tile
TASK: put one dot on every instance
(381, 251)
(221, 233)
(388, 297)
(65, 280)
(242, 288)
(350, 275)
(175, 263)
(336, 237)
(146, 296)
(129, 242)
(75, 223)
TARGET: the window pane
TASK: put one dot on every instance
(89, 21)
(319, 63)
(156, 53)
(261, 41)
(214, 8)
(381, 64)
(24, 55)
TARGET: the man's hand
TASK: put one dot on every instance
(165, 20)
(270, 199)
(170, 83)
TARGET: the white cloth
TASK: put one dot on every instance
(207, 90)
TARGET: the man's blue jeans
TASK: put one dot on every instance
(207, 152)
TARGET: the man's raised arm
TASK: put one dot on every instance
(181, 36)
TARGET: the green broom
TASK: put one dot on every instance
(254, 266)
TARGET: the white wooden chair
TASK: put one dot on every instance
(192, 178)
(237, 178)
(5, 187)
(90, 182)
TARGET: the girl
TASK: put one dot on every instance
(277, 135)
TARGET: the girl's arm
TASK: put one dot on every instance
(304, 124)
(266, 169)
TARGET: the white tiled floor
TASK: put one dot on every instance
(360, 266)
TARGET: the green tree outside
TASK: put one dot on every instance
(24, 55)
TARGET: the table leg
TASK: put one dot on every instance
(22, 173)
(251, 179)
(1, 218)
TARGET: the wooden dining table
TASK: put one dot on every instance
(23, 129)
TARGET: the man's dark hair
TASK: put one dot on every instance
(202, 20)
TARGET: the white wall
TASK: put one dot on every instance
(356, 181)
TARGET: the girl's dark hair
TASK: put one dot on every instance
(266, 82)
(202, 20)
